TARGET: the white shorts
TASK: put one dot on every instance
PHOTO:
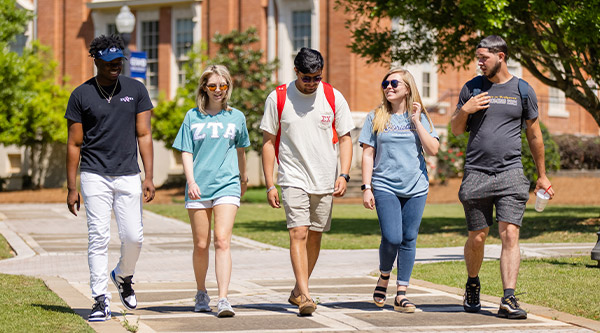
(228, 199)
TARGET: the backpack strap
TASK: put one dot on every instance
(475, 85)
(524, 92)
(330, 96)
(281, 97)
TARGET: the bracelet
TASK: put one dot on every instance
(271, 188)
(244, 182)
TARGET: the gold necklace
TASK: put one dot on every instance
(105, 94)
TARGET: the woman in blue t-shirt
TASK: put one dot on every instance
(212, 141)
(395, 180)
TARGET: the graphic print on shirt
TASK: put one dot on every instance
(325, 120)
(212, 128)
(401, 126)
(503, 100)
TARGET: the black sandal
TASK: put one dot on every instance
(405, 305)
(380, 292)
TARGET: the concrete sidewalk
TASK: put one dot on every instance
(52, 244)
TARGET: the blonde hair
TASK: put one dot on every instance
(202, 95)
(383, 113)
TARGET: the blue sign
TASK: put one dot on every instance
(137, 64)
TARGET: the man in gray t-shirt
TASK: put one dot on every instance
(490, 107)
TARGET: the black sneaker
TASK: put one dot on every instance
(471, 301)
(100, 310)
(126, 293)
(509, 308)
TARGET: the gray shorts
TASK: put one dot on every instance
(305, 209)
(480, 192)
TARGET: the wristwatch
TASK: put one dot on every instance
(365, 187)
(345, 176)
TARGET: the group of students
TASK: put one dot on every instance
(306, 126)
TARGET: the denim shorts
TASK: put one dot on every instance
(481, 191)
(228, 199)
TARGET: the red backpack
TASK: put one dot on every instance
(281, 97)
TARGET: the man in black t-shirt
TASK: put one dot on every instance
(493, 175)
(108, 117)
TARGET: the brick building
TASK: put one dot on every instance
(167, 29)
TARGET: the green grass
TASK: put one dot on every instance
(443, 225)
(5, 249)
(565, 284)
(27, 305)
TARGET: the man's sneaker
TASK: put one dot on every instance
(202, 301)
(126, 293)
(471, 301)
(509, 308)
(100, 310)
(224, 308)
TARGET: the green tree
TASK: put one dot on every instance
(451, 158)
(31, 103)
(252, 82)
(557, 41)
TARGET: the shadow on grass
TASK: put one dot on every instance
(54, 308)
(567, 219)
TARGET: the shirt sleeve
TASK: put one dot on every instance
(183, 140)
(73, 111)
(463, 97)
(532, 105)
(366, 134)
(144, 102)
(242, 138)
(343, 117)
(427, 126)
(270, 120)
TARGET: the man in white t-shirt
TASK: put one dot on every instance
(305, 146)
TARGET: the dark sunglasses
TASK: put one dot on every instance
(213, 87)
(386, 83)
(309, 79)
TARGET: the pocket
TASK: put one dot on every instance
(325, 120)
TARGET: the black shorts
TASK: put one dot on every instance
(480, 192)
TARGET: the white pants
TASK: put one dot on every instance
(102, 195)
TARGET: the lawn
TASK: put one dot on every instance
(565, 284)
(443, 225)
(5, 249)
(27, 305)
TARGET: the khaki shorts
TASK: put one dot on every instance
(306, 210)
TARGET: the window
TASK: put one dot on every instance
(301, 28)
(149, 36)
(426, 89)
(14, 161)
(556, 103)
(111, 29)
(184, 40)
(18, 45)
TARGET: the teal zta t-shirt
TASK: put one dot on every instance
(212, 140)
(399, 165)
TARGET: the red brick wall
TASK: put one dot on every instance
(164, 51)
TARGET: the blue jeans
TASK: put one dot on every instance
(399, 221)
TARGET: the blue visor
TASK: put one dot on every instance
(110, 54)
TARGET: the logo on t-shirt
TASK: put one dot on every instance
(325, 121)
(126, 99)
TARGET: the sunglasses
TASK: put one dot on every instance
(386, 83)
(213, 87)
(309, 79)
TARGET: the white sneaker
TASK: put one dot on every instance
(202, 300)
(100, 310)
(224, 308)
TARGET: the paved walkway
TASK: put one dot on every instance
(52, 244)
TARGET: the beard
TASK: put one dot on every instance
(493, 71)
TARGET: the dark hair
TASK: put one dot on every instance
(494, 44)
(308, 61)
(103, 42)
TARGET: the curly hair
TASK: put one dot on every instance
(103, 42)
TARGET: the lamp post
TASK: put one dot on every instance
(125, 23)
